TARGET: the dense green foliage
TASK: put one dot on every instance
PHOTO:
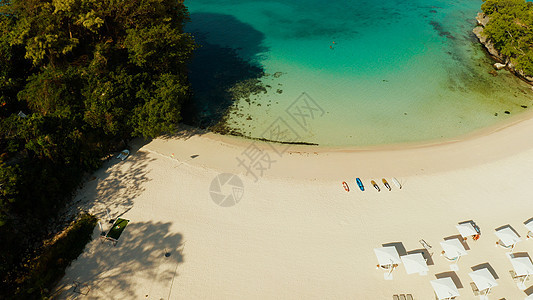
(77, 79)
(46, 269)
(511, 30)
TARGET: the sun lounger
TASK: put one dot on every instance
(117, 229)
(523, 277)
(387, 267)
(402, 297)
(501, 244)
(449, 259)
(395, 297)
(513, 274)
(474, 289)
(409, 297)
(427, 247)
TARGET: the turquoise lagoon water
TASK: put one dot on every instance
(381, 72)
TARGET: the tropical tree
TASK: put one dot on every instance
(511, 30)
(76, 78)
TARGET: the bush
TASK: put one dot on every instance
(49, 267)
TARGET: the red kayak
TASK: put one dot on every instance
(345, 185)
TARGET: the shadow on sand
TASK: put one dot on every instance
(145, 253)
(453, 276)
(111, 190)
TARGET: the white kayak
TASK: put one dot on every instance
(396, 182)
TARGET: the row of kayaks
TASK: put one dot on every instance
(374, 184)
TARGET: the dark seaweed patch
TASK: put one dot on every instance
(440, 30)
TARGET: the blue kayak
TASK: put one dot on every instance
(360, 184)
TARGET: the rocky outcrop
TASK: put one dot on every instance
(482, 21)
(503, 61)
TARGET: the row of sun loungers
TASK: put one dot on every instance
(402, 297)
(483, 278)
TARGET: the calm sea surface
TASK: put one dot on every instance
(341, 73)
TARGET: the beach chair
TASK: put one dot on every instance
(81, 288)
(501, 244)
(474, 289)
(427, 247)
(443, 253)
(513, 275)
(116, 230)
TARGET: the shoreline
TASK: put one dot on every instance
(311, 147)
(219, 152)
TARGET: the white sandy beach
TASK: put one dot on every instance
(296, 234)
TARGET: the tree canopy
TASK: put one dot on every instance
(76, 78)
(511, 30)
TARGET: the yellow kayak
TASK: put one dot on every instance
(386, 184)
(375, 185)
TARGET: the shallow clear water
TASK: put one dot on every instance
(378, 72)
